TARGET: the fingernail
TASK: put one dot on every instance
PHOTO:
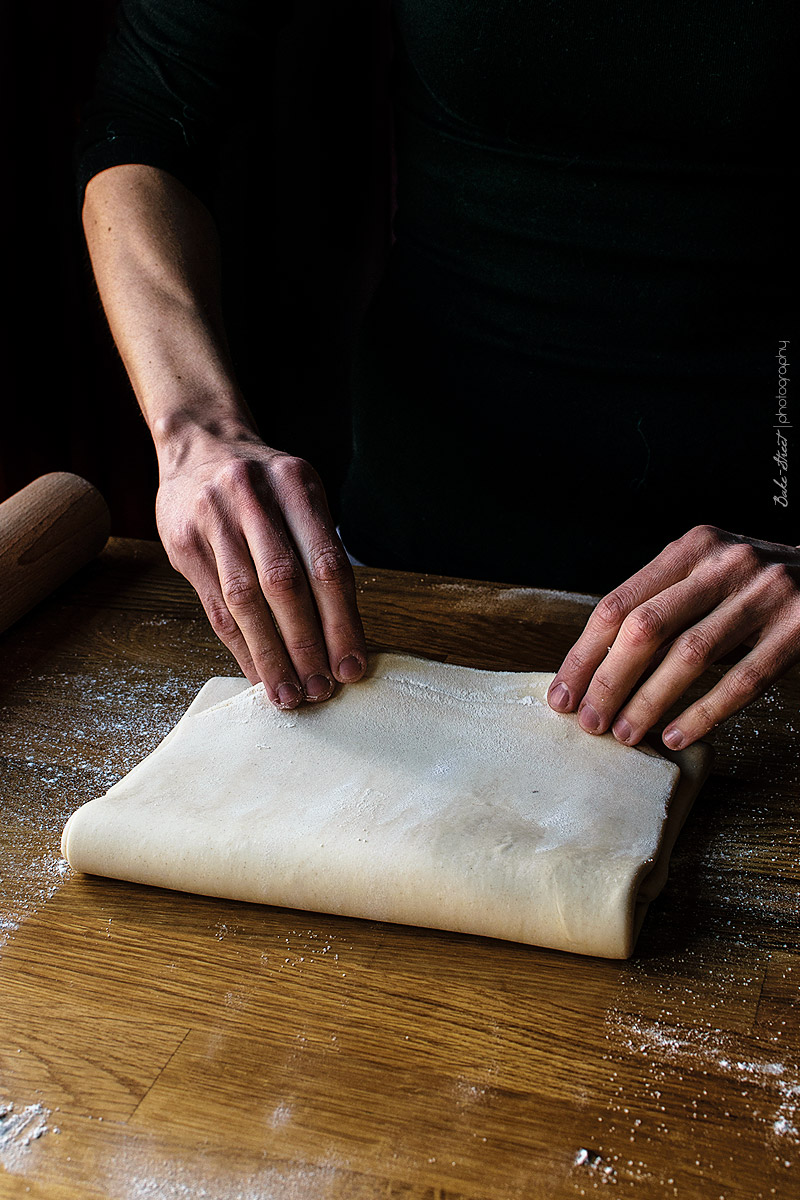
(351, 668)
(588, 718)
(318, 687)
(673, 738)
(558, 696)
(622, 730)
(289, 696)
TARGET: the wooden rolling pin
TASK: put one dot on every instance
(47, 531)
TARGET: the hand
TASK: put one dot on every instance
(250, 529)
(703, 596)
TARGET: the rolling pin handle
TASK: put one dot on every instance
(48, 531)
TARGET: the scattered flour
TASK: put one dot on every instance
(687, 1039)
(711, 1051)
(81, 733)
(18, 1129)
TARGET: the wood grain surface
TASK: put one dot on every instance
(156, 1045)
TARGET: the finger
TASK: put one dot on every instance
(688, 658)
(575, 673)
(226, 629)
(676, 562)
(327, 568)
(743, 620)
(641, 636)
(196, 561)
(741, 685)
(285, 588)
(244, 599)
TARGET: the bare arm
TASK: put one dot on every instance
(247, 525)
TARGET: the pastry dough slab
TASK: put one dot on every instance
(427, 794)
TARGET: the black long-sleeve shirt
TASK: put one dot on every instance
(573, 355)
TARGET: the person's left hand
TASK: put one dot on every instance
(705, 595)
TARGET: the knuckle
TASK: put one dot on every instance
(645, 707)
(328, 564)
(282, 576)
(297, 482)
(236, 474)
(306, 645)
(746, 679)
(207, 501)
(221, 620)
(182, 555)
(601, 687)
(343, 629)
(779, 580)
(615, 607)
(184, 542)
(270, 659)
(704, 536)
(694, 648)
(644, 625)
(290, 471)
(743, 557)
(575, 663)
(240, 590)
(705, 714)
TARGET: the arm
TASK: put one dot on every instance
(246, 524)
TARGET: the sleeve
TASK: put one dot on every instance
(172, 73)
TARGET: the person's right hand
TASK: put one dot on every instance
(250, 529)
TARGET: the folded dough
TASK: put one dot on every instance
(427, 794)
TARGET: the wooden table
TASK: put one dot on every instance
(162, 1045)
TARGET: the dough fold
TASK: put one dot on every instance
(427, 794)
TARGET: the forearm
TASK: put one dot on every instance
(155, 256)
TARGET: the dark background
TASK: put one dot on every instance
(304, 216)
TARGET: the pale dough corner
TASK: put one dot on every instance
(427, 794)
